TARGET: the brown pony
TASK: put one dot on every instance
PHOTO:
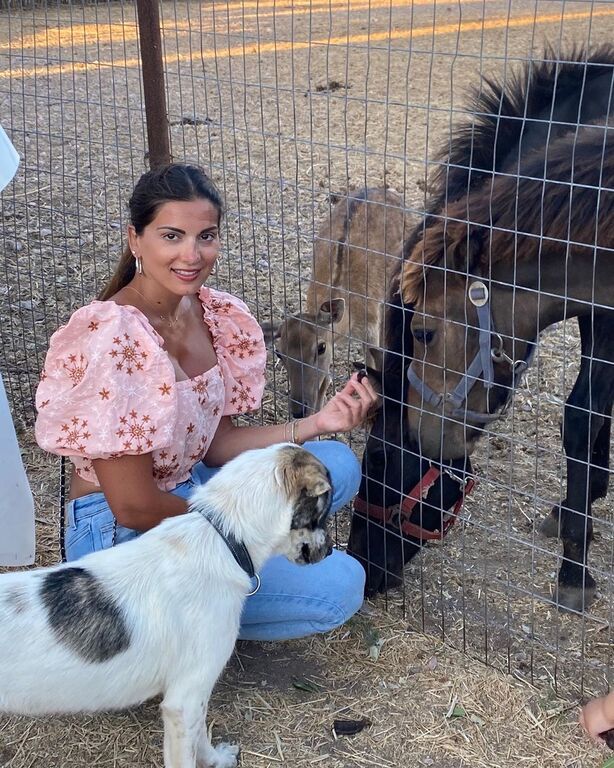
(528, 244)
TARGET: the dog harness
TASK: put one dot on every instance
(399, 515)
(237, 548)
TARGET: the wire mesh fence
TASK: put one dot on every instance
(295, 108)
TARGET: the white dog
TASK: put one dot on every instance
(160, 614)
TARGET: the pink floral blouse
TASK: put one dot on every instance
(108, 387)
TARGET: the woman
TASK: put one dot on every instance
(140, 386)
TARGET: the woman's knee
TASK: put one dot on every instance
(351, 579)
(298, 601)
(343, 466)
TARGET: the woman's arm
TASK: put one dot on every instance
(346, 410)
(130, 489)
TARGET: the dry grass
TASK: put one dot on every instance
(427, 703)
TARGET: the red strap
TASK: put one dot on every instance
(399, 515)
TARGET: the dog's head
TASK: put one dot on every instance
(306, 484)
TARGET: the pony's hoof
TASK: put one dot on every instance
(574, 599)
(549, 526)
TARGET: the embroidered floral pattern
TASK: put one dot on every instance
(220, 306)
(127, 400)
(242, 399)
(165, 465)
(128, 354)
(76, 368)
(200, 451)
(200, 387)
(74, 434)
(136, 432)
(243, 345)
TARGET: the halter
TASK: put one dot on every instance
(481, 366)
(399, 515)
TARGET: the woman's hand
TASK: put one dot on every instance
(597, 716)
(348, 408)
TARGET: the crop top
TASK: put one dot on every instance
(108, 387)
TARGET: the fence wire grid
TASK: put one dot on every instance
(292, 108)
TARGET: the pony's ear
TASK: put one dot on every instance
(331, 311)
(270, 331)
(463, 248)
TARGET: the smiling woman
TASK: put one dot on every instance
(139, 389)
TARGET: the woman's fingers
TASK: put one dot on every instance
(363, 389)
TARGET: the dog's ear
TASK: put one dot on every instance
(298, 471)
(320, 486)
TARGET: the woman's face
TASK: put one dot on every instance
(180, 246)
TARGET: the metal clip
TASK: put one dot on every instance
(257, 587)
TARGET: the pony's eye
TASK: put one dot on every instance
(278, 355)
(321, 348)
(423, 335)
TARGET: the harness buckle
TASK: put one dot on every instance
(478, 293)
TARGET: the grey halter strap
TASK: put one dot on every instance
(481, 367)
(236, 547)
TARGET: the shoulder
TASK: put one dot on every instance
(224, 304)
(234, 329)
(101, 318)
(105, 339)
(240, 348)
(106, 378)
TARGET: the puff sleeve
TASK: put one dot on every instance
(240, 348)
(107, 387)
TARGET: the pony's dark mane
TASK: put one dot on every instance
(568, 195)
(526, 110)
(509, 120)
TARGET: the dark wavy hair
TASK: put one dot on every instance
(168, 183)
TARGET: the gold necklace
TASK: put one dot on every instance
(171, 321)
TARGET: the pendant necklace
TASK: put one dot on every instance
(171, 321)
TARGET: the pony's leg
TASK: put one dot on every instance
(587, 413)
(600, 456)
(600, 460)
(599, 478)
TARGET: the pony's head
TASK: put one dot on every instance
(466, 362)
(303, 344)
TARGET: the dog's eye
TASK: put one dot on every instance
(321, 348)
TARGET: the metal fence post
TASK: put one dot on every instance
(152, 69)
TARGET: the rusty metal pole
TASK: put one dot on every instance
(150, 39)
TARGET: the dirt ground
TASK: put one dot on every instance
(289, 105)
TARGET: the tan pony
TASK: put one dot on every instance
(356, 252)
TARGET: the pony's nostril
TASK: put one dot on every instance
(298, 411)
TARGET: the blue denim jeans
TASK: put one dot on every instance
(293, 600)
